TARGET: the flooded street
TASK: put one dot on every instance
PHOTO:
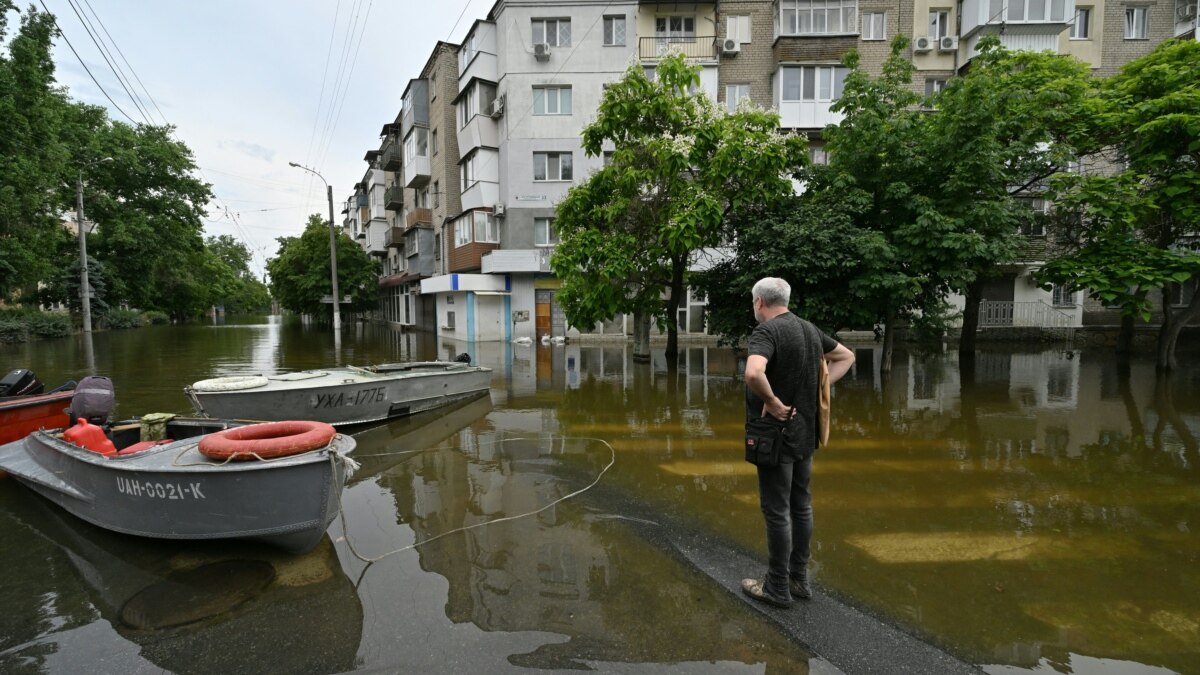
(1030, 512)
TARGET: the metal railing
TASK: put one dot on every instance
(417, 216)
(1036, 314)
(691, 46)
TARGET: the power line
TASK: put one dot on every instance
(85, 67)
(460, 16)
(104, 55)
(349, 77)
(351, 21)
(321, 96)
(127, 64)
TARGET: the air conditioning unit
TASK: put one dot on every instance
(923, 44)
(1185, 10)
(730, 46)
(541, 51)
(948, 44)
(498, 107)
(498, 210)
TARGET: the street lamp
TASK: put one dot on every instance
(84, 292)
(337, 314)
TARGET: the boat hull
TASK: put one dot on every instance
(346, 396)
(24, 415)
(174, 492)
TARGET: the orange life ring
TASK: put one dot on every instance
(267, 441)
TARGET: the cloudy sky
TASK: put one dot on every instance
(254, 84)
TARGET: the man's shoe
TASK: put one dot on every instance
(798, 585)
(755, 589)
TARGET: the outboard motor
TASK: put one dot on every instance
(20, 382)
(463, 358)
(93, 400)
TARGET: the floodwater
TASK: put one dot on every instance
(1032, 513)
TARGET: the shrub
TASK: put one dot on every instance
(156, 317)
(13, 330)
(124, 318)
(50, 324)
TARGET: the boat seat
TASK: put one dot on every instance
(142, 447)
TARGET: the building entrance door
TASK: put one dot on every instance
(543, 299)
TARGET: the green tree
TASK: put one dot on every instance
(681, 166)
(300, 273)
(233, 284)
(1127, 235)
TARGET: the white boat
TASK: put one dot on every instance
(340, 396)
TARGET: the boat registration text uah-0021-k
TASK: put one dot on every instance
(156, 490)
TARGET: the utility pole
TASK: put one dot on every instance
(337, 314)
(84, 295)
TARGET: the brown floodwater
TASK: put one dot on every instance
(1030, 512)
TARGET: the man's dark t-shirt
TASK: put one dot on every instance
(792, 348)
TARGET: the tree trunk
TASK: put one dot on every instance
(1168, 335)
(676, 289)
(889, 341)
(1125, 336)
(1164, 404)
(641, 337)
(970, 319)
(1124, 386)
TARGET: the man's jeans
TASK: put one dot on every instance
(783, 492)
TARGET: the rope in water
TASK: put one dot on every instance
(612, 460)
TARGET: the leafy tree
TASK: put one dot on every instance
(300, 273)
(681, 166)
(1127, 235)
(238, 290)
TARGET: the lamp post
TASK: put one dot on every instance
(84, 292)
(337, 314)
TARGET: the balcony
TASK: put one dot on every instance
(695, 47)
(503, 261)
(480, 195)
(1032, 25)
(393, 237)
(418, 217)
(483, 65)
(481, 132)
(390, 159)
(418, 173)
(393, 198)
(376, 233)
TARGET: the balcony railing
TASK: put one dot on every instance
(393, 237)
(419, 217)
(692, 46)
(389, 159)
(393, 198)
(1022, 314)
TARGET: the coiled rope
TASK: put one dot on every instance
(612, 460)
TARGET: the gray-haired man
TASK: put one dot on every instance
(782, 380)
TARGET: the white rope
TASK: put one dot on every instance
(612, 460)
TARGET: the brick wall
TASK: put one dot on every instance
(1116, 51)
(756, 61)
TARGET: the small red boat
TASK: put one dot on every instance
(24, 408)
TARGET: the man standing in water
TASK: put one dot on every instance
(782, 371)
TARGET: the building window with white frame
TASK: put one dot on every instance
(437, 194)
(1081, 25)
(1136, 21)
(468, 171)
(614, 31)
(552, 166)
(1034, 224)
(813, 83)
(808, 17)
(487, 231)
(433, 141)
(939, 23)
(462, 232)
(874, 26)
(468, 106)
(543, 232)
(1062, 296)
(1027, 11)
(734, 94)
(467, 52)
(818, 155)
(934, 86)
(737, 27)
(552, 100)
(553, 32)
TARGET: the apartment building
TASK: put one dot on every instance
(487, 141)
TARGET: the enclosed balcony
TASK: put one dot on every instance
(418, 173)
(414, 111)
(418, 217)
(393, 198)
(503, 261)
(1030, 25)
(376, 238)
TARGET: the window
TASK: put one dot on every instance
(734, 93)
(462, 232)
(467, 53)
(468, 171)
(433, 141)
(423, 198)
(818, 155)
(1028, 10)
(1035, 221)
(1062, 296)
(683, 27)
(1080, 27)
(1135, 23)
(933, 86)
(939, 23)
(552, 100)
(1181, 294)
(614, 31)
(608, 157)
(543, 232)
(433, 87)
(449, 320)
(549, 166)
(486, 229)
(874, 26)
(468, 106)
(417, 144)
(802, 17)
(554, 32)
(437, 195)
(813, 83)
(738, 28)
(410, 242)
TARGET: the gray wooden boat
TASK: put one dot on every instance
(171, 491)
(340, 396)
